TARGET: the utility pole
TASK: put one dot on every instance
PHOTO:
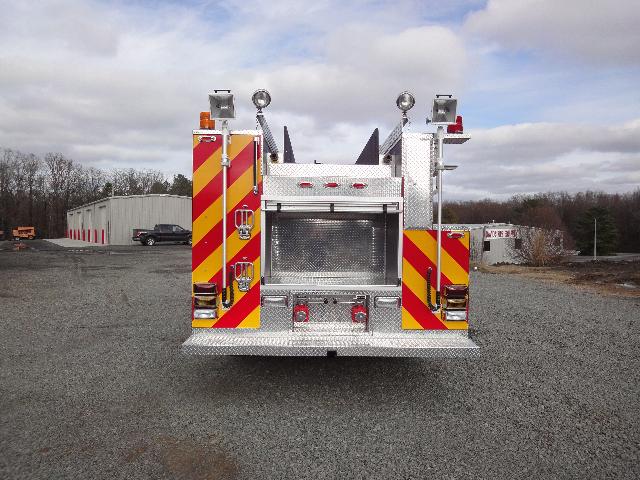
(595, 237)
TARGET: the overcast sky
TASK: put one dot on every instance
(549, 89)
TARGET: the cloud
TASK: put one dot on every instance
(112, 83)
(121, 84)
(592, 32)
(538, 157)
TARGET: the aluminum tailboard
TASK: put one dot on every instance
(423, 344)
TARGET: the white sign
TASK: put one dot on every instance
(492, 233)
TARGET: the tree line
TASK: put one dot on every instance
(614, 216)
(37, 191)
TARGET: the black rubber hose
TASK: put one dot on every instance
(228, 304)
(432, 307)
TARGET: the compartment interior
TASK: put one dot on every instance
(335, 248)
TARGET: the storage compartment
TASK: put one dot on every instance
(331, 248)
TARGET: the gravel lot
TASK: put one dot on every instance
(92, 385)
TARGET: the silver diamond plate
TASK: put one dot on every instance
(417, 154)
(455, 138)
(423, 344)
(325, 244)
(276, 186)
(328, 170)
(392, 139)
(280, 319)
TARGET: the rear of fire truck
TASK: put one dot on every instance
(294, 258)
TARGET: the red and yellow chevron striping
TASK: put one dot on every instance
(418, 254)
(207, 222)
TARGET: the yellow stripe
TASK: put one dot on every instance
(211, 166)
(419, 238)
(252, 320)
(212, 215)
(207, 172)
(210, 266)
(208, 323)
(450, 268)
(237, 293)
(408, 322)
(202, 322)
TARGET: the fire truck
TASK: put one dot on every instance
(317, 259)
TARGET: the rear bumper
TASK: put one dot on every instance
(409, 344)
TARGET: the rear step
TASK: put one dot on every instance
(431, 344)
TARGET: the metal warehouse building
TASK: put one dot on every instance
(111, 221)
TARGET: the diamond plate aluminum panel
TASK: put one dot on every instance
(305, 344)
(417, 155)
(280, 186)
(280, 319)
(455, 138)
(328, 170)
(392, 139)
(324, 244)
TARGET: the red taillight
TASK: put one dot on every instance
(205, 288)
(456, 291)
(359, 314)
(457, 128)
(455, 234)
(331, 185)
(305, 185)
(301, 313)
(358, 185)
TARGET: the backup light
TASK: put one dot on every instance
(201, 313)
(444, 110)
(405, 101)
(261, 99)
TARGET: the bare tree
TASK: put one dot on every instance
(538, 247)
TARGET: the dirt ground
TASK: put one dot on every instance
(621, 278)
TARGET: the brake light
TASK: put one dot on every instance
(205, 288)
(455, 299)
(205, 300)
(359, 314)
(301, 313)
(305, 185)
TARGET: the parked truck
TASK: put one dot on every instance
(163, 232)
(293, 258)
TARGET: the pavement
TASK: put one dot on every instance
(92, 385)
(71, 243)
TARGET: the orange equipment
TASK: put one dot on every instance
(22, 233)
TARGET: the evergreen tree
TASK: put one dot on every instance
(606, 234)
(181, 185)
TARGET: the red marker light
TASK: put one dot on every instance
(358, 186)
(359, 314)
(457, 128)
(331, 185)
(301, 313)
(305, 185)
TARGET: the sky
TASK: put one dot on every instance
(549, 90)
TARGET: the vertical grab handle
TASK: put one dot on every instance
(256, 144)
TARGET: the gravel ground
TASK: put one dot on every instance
(92, 385)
